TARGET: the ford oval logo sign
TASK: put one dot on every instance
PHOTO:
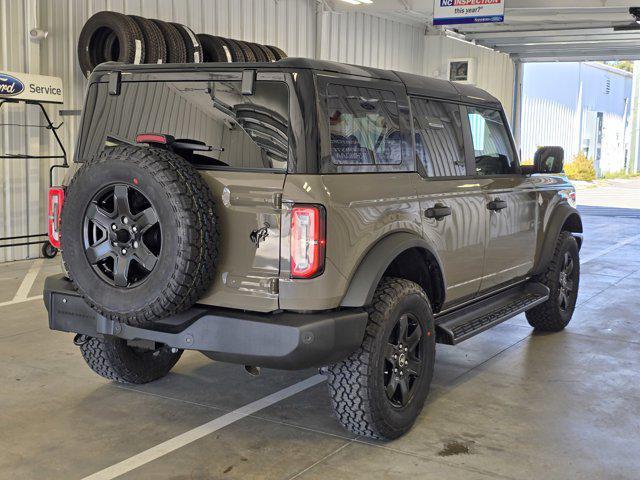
(10, 85)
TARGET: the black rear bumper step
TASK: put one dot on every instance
(455, 327)
(284, 340)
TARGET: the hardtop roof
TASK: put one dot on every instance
(415, 84)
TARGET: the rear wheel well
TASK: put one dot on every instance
(420, 266)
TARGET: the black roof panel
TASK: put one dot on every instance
(415, 84)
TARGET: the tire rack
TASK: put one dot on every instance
(22, 240)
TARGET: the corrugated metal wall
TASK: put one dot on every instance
(494, 71)
(300, 27)
(20, 196)
(371, 41)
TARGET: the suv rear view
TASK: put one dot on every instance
(304, 214)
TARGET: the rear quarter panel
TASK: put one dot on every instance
(361, 210)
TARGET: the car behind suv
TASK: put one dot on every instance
(304, 214)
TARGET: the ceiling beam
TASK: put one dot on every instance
(560, 39)
(532, 58)
(577, 48)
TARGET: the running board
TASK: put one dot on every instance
(457, 326)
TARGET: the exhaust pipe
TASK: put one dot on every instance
(251, 370)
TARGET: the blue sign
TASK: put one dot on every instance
(10, 85)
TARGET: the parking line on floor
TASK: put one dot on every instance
(197, 433)
(28, 280)
(609, 249)
(28, 299)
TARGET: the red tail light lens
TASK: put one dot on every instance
(56, 199)
(308, 240)
(153, 138)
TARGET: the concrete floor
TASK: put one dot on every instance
(505, 404)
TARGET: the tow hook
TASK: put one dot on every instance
(80, 339)
(251, 370)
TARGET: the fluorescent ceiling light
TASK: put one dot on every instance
(358, 2)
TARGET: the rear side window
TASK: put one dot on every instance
(491, 143)
(439, 138)
(364, 126)
(237, 131)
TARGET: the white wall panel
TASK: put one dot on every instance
(371, 41)
(495, 71)
(20, 195)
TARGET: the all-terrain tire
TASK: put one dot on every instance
(155, 47)
(191, 43)
(95, 31)
(550, 316)
(356, 384)
(214, 49)
(238, 54)
(113, 359)
(257, 52)
(268, 53)
(249, 56)
(185, 265)
(278, 52)
(176, 49)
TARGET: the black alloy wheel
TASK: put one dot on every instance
(403, 362)
(122, 235)
(567, 281)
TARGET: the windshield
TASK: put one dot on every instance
(236, 131)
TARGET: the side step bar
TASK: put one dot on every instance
(459, 325)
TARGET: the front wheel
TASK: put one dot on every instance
(380, 389)
(563, 278)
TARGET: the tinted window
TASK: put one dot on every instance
(238, 131)
(439, 138)
(364, 126)
(493, 152)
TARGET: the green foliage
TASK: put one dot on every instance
(623, 65)
(581, 168)
(620, 174)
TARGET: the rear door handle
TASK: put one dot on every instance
(496, 205)
(438, 211)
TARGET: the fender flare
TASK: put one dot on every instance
(559, 217)
(367, 276)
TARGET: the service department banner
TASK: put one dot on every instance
(25, 86)
(451, 12)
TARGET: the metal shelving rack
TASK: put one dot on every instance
(21, 240)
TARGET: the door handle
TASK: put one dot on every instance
(438, 211)
(496, 205)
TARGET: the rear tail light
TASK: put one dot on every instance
(308, 240)
(154, 138)
(56, 199)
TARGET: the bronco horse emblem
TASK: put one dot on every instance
(259, 234)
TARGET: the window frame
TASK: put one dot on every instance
(466, 136)
(407, 151)
(471, 161)
(295, 148)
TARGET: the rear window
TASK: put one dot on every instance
(364, 126)
(238, 131)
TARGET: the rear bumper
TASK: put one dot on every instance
(286, 340)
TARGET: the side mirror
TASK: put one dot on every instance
(549, 160)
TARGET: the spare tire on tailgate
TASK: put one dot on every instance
(140, 236)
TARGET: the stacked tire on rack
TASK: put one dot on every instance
(113, 36)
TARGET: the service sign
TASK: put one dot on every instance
(24, 86)
(451, 12)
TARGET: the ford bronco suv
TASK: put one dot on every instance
(302, 214)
